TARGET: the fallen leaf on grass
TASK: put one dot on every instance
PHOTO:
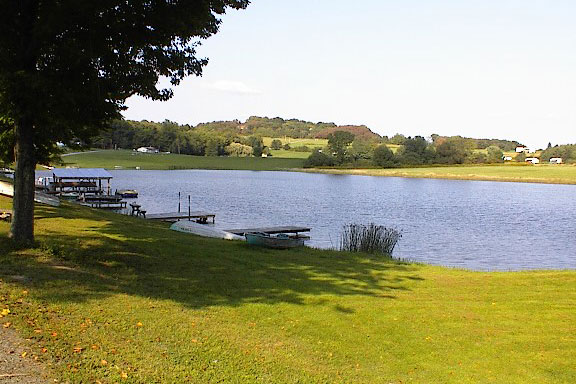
(123, 375)
(7, 324)
(23, 354)
(44, 350)
(78, 349)
(4, 312)
(103, 362)
(139, 324)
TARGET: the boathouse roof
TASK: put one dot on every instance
(81, 173)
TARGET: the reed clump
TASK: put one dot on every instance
(369, 238)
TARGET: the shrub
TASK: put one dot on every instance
(384, 157)
(369, 238)
(318, 159)
(286, 147)
(276, 144)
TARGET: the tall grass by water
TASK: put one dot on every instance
(369, 238)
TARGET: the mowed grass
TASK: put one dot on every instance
(130, 160)
(113, 298)
(554, 174)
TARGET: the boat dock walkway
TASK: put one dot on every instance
(269, 230)
(200, 217)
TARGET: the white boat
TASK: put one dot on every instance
(204, 230)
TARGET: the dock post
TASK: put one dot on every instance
(178, 202)
(188, 207)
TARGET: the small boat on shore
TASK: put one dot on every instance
(204, 230)
(279, 241)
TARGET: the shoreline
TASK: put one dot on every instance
(403, 174)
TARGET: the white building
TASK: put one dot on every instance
(524, 149)
(555, 160)
(507, 158)
(533, 160)
(147, 150)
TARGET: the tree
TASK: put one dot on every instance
(257, 145)
(449, 152)
(338, 142)
(67, 67)
(318, 159)
(384, 157)
(276, 144)
(415, 151)
(494, 154)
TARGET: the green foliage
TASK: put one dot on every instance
(276, 144)
(494, 154)
(384, 157)
(286, 147)
(450, 152)
(257, 145)
(520, 157)
(415, 151)
(566, 152)
(369, 238)
(397, 139)
(319, 159)
(238, 150)
(361, 149)
(338, 143)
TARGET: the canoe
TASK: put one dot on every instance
(204, 230)
(280, 241)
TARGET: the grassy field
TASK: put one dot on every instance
(130, 159)
(109, 298)
(554, 174)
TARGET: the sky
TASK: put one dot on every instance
(477, 68)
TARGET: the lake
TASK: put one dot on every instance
(475, 225)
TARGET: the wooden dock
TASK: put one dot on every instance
(269, 230)
(200, 217)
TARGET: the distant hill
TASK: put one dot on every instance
(359, 131)
(279, 127)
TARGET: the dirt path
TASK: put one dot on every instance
(14, 368)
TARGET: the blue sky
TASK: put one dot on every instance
(479, 68)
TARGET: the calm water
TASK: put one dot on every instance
(470, 224)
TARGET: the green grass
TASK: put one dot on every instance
(311, 143)
(113, 298)
(130, 159)
(554, 174)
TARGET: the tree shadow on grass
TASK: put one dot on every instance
(87, 254)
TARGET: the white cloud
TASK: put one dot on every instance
(233, 87)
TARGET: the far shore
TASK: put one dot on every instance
(544, 174)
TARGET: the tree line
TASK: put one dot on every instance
(345, 149)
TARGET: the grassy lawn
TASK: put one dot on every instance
(311, 143)
(557, 174)
(113, 298)
(130, 159)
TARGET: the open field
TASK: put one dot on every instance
(113, 298)
(130, 159)
(553, 174)
(311, 143)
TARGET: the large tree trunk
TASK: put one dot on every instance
(22, 230)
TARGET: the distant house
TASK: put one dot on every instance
(533, 160)
(555, 160)
(147, 150)
(507, 158)
(523, 149)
